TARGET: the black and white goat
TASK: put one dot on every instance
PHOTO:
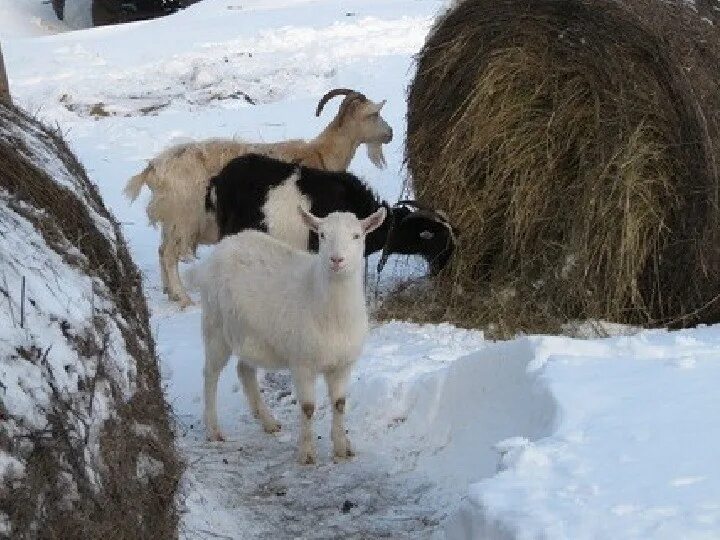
(259, 192)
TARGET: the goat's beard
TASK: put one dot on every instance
(375, 153)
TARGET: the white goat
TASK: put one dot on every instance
(294, 310)
(179, 175)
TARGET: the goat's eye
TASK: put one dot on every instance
(356, 236)
(322, 236)
(427, 235)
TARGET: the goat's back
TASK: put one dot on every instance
(256, 191)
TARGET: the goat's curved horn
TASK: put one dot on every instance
(334, 93)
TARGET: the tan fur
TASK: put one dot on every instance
(178, 178)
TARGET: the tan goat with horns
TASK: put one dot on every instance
(179, 175)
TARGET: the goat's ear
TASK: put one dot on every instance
(311, 221)
(373, 221)
(380, 105)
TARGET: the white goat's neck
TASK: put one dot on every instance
(337, 147)
(339, 298)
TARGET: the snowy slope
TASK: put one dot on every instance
(540, 437)
(78, 371)
(38, 339)
(633, 452)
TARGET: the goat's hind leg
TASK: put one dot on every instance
(217, 352)
(248, 376)
(170, 261)
(336, 381)
(161, 258)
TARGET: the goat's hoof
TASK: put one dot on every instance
(272, 427)
(216, 436)
(307, 458)
(342, 456)
(186, 302)
(182, 299)
(344, 453)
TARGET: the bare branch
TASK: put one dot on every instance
(4, 85)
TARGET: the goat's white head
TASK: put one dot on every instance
(341, 237)
(363, 117)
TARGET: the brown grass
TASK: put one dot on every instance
(573, 144)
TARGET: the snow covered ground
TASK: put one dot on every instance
(458, 437)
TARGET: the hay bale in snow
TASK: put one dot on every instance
(575, 144)
(81, 408)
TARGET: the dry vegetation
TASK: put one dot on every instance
(123, 504)
(575, 146)
(4, 86)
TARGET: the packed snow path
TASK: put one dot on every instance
(540, 437)
(253, 481)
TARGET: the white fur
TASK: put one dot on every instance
(299, 311)
(178, 177)
(281, 216)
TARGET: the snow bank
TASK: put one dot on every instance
(77, 362)
(633, 454)
(422, 392)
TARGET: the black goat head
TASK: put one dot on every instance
(423, 231)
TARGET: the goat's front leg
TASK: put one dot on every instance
(248, 377)
(336, 381)
(304, 381)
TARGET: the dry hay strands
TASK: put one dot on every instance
(574, 144)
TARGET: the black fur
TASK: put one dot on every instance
(242, 188)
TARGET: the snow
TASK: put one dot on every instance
(633, 451)
(22, 18)
(59, 297)
(457, 436)
(19, 18)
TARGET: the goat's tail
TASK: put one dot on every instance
(135, 184)
(211, 196)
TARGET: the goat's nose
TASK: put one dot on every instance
(337, 260)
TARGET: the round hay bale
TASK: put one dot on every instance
(575, 145)
(86, 442)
